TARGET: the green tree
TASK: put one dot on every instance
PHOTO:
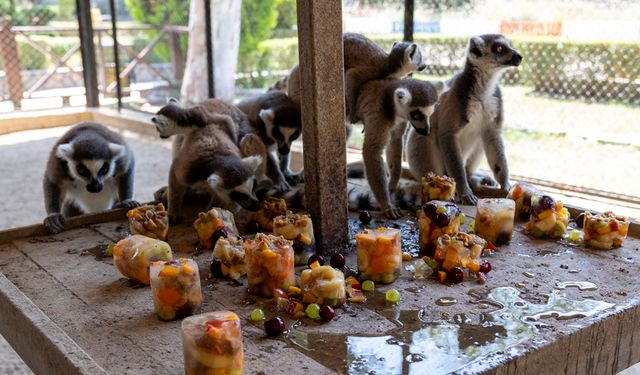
(159, 12)
(257, 22)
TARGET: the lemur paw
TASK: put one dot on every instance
(54, 223)
(281, 187)
(128, 204)
(161, 195)
(478, 180)
(294, 178)
(467, 198)
(505, 186)
(393, 212)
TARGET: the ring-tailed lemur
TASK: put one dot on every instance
(210, 155)
(90, 169)
(364, 60)
(276, 119)
(385, 106)
(467, 121)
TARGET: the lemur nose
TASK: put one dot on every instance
(154, 120)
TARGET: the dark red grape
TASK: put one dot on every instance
(253, 226)
(216, 268)
(580, 220)
(365, 217)
(222, 232)
(442, 220)
(503, 238)
(315, 257)
(485, 267)
(327, 313)
(297, 246)
(274, 326)
(456, 275)
(545, 203)
(430, 209)
(337, 261)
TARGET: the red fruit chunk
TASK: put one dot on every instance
(337, 261)
(274, 326)
(485, 267)
(327, 313)
(456, 275)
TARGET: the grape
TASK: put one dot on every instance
(337, 261)
(327, 313)
(222, 232)
(313, 311)
(472, 226)
(253, 226)
(368, 286)
(257, 315)
(456, 275)
(274, 326)
(392, 296)
(580, 220)
(297, 246)
(575, 236)
(485, 267)
(430, 209)
(463, 218)
(442, 220)
(365, 217)
(545, 203)
(314, 258)
(216, 268)
(441, 209)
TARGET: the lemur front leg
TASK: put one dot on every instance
(477, 179)
(175, 197)
(292, 178)
(394, 154)
(54, 222)
(125, 188)
(455, 168)
(376, 170)
(280, 183)
(494, 150)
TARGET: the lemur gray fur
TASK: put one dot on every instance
(277, 120)
(211, 155)
(364, 60)
(385, 106)
(90, 169)
(467, 120)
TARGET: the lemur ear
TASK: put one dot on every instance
(117, 151)
(267, 115)
(411, 51)
(252, 162)
(214, 180)
(403, 95)
(64, 151)
(173, 100)
(439, 86)
(394, 44)
(474, 46)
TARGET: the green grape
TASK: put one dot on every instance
(368, 286)
(440, 209)
(257, 315)
(463, 218)
(392, 296)
(472, 226)
(313, 311)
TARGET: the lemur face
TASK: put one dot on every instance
(282, 133)
(415, 102)
(411, 58)
(493, 51)
(165, 119)
(238, 189)
(92, 172)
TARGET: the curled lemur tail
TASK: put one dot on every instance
(356, 170)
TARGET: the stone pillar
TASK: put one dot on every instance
(324, 136)
(225, 17)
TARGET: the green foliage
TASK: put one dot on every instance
(66, 9)
(159, 12)
(36, 15)
(257, 21)
(439, 6)
(287, 18)
(31, 59)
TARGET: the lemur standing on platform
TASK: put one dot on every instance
(467, 120)
(90, 169)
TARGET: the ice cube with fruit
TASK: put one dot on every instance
(230, 253)
(149, 220)
(459, 250)
(379, 254)
(175, 286)
(299, 229)
(521, 193)
(549, 218)
(212, 344)
(494, 219)
(270, 265)
(133, 255)
(269, 209)
(605, 231)
(323, 285)
(436, 218)
(214, 224)
(436, 187)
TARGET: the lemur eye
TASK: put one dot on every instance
(237, 196)
(82, 170)
(294, 136)
(498, 48)
(277, 134)
(104, 169)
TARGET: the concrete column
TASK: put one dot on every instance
(324, 136)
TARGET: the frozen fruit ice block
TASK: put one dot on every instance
(435, 219)
(605, 231)
(230, 252)
(549, 218)
(459, 250)
(299, 229)
(323, 285)
(494, 219)
(436, 187)
(379, 254)
(212, 344)
(521, 193)
(269, 264)
(175, 286)
(149, 220)
(133, 255)
(213, 224)
(269, 209)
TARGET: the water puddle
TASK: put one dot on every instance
(582, 285)
(417, 346)
(98, 251)
(446, 301)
